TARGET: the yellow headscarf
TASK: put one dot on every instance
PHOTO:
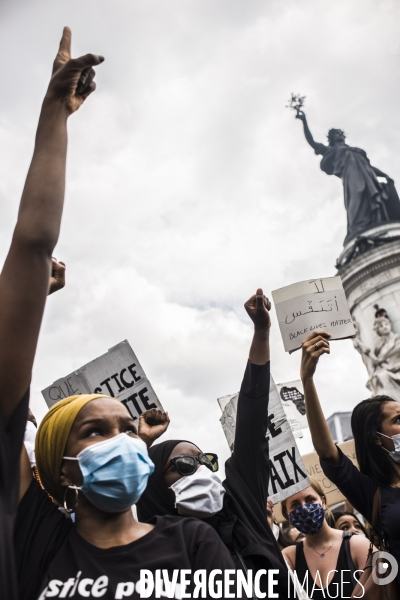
(51, 439)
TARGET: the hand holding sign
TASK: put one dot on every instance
(314, 346)
(152, 424)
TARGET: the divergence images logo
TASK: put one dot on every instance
(387, 568)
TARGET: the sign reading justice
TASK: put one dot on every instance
(312, 305)
(287, 472)
(117, 373)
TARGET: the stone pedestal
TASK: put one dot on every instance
(370, 270)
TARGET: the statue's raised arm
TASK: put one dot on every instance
(319, 148)
(368, 201)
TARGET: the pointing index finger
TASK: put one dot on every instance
(65, 44)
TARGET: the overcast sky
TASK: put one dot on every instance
(190, 184)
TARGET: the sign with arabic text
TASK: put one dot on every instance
(287, 472)
(314, 304)
(116, 373)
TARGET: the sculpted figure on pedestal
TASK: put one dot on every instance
(383, 360)
(368, 202)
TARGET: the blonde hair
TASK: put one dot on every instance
(317, 488)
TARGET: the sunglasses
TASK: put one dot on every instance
(186, 464)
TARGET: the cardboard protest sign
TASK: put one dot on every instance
(314, 470)
(287, 472)
(117, 373)
(310, 305)
(292, 396)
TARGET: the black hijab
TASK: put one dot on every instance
(157, 498)
(241, 524)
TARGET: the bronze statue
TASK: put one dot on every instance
(367, 201)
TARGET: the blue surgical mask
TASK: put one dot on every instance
(308, 518)
(115, 472)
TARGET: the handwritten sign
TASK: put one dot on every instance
(311, 305)
(292, 396)
(287, 472)
(117, 373)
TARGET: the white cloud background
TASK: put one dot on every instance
(189, 184)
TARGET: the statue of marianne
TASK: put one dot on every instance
(367, 201)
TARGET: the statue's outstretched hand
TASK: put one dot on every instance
(300, 115)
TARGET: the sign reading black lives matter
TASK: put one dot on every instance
(117, 373)
(312, 305)
(287, 472)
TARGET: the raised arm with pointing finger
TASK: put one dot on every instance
(25, 276)
(24, 281)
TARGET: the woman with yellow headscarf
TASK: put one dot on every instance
(92, 462)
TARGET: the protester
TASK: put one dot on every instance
(376, 429)
(24, 281)
(92, 462)
(322, 559)
(349, 522)
(185, 482)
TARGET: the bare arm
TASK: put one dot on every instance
(26, 475)
(289, 555)
(257, 308)
(24, 281)
(359, 546)
(313, 347)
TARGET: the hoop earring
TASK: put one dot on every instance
(70, 510)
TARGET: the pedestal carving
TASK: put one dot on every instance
(370, 270)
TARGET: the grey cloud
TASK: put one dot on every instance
(190, 184)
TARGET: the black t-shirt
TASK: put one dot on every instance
(359, 489)
(11, 440)
(55, 561)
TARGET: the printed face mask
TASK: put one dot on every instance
(29, 441)
(199, 495)
(308, 518)
(395, 454)
(115, 472)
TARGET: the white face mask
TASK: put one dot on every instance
(29, 441)
(395, 454)
(199, 495)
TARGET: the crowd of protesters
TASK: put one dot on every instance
(67, 528)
